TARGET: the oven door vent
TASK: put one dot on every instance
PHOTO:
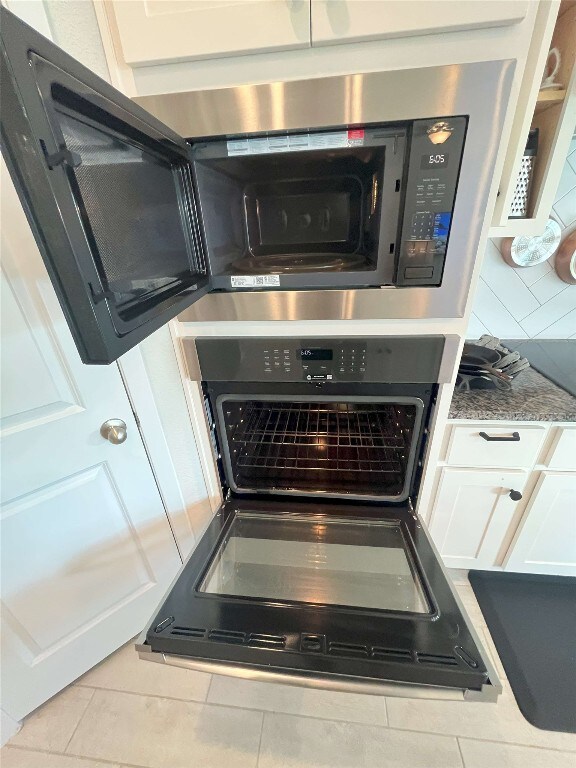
(433, 658)
(348, 649)
(188, 631)
(267, 641)
(391, 654)
(227, 636)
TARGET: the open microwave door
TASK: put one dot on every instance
(322, 594)
(108, 192)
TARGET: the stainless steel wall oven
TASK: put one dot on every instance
(316, 569)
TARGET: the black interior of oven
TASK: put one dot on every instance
(292, 212)
(341, 448)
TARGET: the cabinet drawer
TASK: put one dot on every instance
(563, 451)
(479, 445)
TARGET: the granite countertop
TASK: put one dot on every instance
(533, 397)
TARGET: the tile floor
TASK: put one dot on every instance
(126, 713)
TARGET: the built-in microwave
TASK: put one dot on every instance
(307, 201)
(358, 207)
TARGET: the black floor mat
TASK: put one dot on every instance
(532, 620)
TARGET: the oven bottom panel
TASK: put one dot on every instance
(318, 592)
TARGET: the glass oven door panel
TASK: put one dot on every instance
(305, 588)
(362, 564)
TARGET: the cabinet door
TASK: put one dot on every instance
(350, 20)
(159, 31)
(546, 538)
(472, 513)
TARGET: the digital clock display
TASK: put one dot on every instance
(316, 354)
(434, 160)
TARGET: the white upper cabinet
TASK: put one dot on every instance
(157, 31)
(344, 21)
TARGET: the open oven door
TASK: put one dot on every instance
(108, 192)
(323, 594)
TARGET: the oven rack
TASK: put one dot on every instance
(326, 437)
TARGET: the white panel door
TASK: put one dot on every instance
(344, 21)
(87, 550)
(472, 513)
(546, 538)
(157, 31)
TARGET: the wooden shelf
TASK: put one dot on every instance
(549, 97)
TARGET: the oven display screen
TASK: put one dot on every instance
(316, 354)
(434, 160)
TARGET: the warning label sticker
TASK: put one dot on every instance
(265, 145)
(254, 281)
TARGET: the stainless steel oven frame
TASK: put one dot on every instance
(478, 90)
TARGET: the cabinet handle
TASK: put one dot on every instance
(515, 495)
(513, 438)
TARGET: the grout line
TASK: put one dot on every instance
(80, 720)
(552, 323)
(260, 740)
(207, 697)
(505, 308)
(96, 760)
(150, 695)
(460, 751)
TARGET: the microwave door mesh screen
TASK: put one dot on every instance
(131, 212)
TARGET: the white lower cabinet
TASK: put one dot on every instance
(472, 514)
(476, 522)
(546, 538)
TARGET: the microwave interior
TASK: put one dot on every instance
(303, 212)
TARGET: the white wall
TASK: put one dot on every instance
(530, 302)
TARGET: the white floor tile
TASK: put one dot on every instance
(486, 754)
(567, 181)
(494, 315)
(552, 311)
(466, 594)
(13, 757)
(125, 671)
(501, 721)
(51, 726)
(563, 328)
(298, 742)
(490, 646)
(290, 699)
(459, 576)
(156, 733)
(530, 275)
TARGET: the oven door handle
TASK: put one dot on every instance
(316, 680)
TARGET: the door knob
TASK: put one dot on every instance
(515, 495)
(114, 430)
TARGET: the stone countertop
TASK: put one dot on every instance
(532, 398)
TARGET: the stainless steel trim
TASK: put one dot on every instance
(479, 90)
(316, 680)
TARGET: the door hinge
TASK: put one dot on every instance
(63, 156)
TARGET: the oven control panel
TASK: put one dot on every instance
(316, 363)
(388, 359)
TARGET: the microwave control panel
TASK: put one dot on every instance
(434, 166)
(352, 359)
